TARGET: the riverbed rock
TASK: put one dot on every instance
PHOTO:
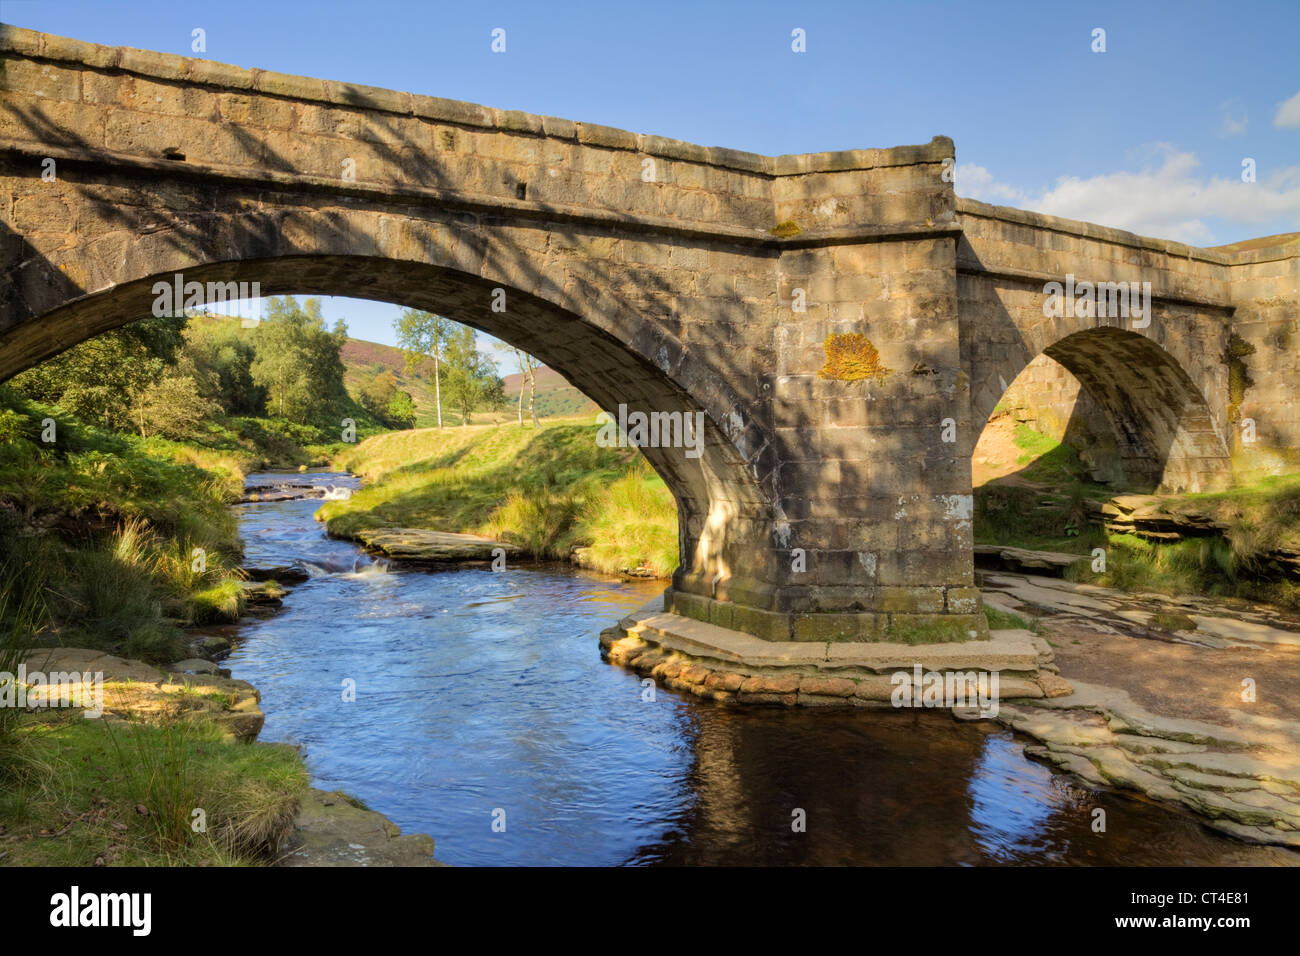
(193, 665)
(262, 595)
(1244, 779)
(141, 691)
(420, 545)
(212, 646)
(280, 574)
(1023, 559)
(334, 830)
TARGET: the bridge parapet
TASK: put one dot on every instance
(841, 320)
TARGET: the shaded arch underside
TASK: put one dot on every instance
(1164, 431)
(723, 512)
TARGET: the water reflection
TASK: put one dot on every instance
(480, 691)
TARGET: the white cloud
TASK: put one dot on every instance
(1165, 199)
(1288, 113)
(1229, 125)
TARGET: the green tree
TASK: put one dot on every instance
(424, 335)
(99, 379)
(172, 407)
(299, 361)
(401, 410)
(222, 356)
(376, 393)
(472, 378)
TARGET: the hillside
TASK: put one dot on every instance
(553, 491)
(555, 396)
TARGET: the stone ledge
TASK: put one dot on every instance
(1087, 230)
(1242, 777)
(1009, 650)
(903, 616)
(197, 71)
(728, 666)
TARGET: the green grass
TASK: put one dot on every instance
(1005, 620)
(549, 490)
(1211, 566)
(113, 539)
(79, 800)
(1259, 517)
(1046, 460)
(1050, 519)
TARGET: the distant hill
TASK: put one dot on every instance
(555, 396)
(362, 359)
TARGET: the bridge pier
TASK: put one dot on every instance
(843, 323)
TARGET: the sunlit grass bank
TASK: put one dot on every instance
(110, 541)
(80, 792)
(1047, 507)
(550, 490)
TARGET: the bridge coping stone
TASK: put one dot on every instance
(169, 66)
(1088, 230)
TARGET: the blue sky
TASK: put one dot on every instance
(1149, 135)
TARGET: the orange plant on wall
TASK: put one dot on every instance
(852, 357)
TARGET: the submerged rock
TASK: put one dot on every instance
(280, 574)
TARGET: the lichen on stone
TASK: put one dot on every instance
(785, 229)
(852, 357)
(1238, 377)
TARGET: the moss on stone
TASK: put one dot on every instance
(786, 229)
(934, 628)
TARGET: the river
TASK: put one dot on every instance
(485, 717)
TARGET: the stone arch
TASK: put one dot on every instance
(563, 304)
(1165, 432)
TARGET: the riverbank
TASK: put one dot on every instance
(552, 492)
(471, 662)
(1034, 492)
(170, 773)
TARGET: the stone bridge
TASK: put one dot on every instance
(844, 322)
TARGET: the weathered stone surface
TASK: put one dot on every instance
(332, 830)
(670, 293)
(1244, 778)
(417, 544)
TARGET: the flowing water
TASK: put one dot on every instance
(481, 698)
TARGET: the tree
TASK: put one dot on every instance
(382, 398)
(171, 407)
(299, 361)
(471, 376)
(222, 359)
(527, 379)
(98, 379)
(401, 410)
(422, 335)
(376, 393)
